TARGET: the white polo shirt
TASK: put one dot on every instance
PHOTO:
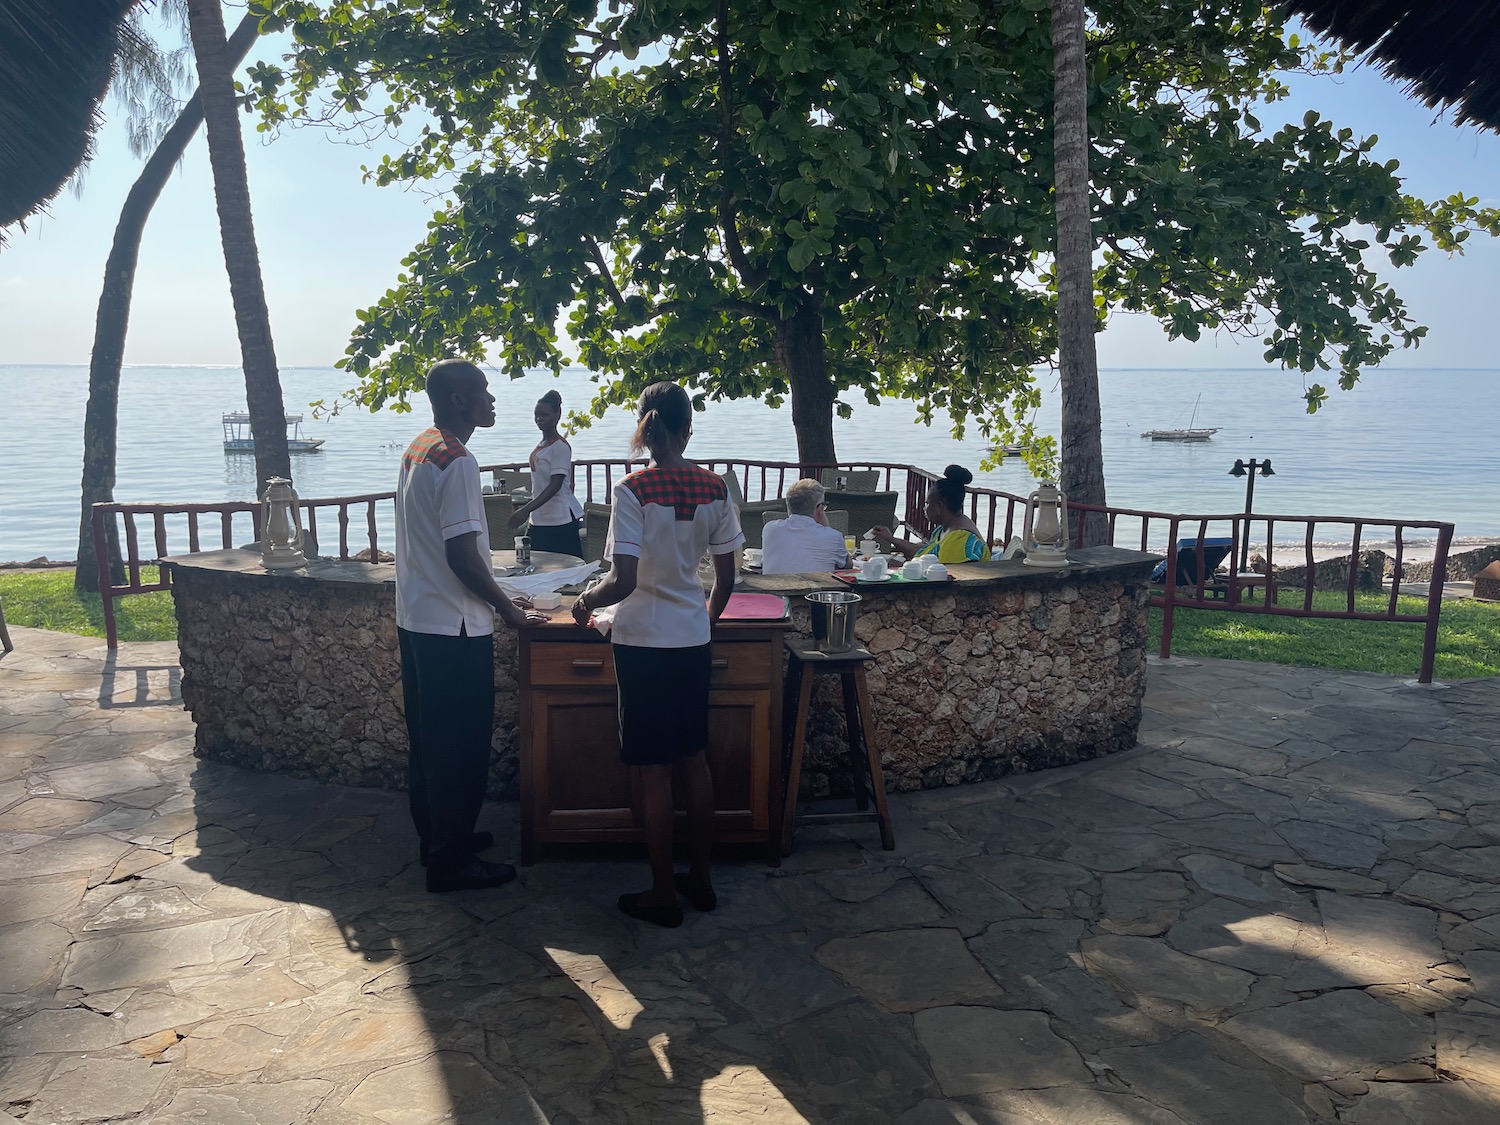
(549, 460)
(668, 518)
(437, 498)
(801, 545)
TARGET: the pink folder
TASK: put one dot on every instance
(756, 607)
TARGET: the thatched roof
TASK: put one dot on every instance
(1446, 53)
(56, 59)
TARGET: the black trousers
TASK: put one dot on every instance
(562, 538)
(448, 684)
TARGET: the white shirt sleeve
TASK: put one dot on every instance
(726, 534)
(627, 525)
(836, 545)
(460, 506)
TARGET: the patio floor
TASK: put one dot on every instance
(1284, 906)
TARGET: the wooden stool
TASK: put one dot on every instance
(807, 664)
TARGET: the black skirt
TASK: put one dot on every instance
(562, 538)
(663, 702)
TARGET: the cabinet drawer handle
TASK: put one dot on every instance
(721, 664)
(588, 665)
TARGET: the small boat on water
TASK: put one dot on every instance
(1011, 450)
(1188, 433)
(237, 437)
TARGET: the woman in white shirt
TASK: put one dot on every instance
(555, 513)
(664, 517)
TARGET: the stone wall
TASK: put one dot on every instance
(1462, 565)
(971, 681)
(311, 685)
(978, 682)
(1333, 574)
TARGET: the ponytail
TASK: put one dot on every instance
(665, 410)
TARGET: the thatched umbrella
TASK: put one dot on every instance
(56, 59)
(1446, 53)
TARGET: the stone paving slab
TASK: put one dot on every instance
(1283, 907)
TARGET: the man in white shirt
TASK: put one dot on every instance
(446, 601)
(803, 543)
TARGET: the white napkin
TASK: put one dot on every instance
(526, 585)
(604, 619)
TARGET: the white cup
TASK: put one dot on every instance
(874, 568)
(868, 547)
(914, 571)
(927, 563)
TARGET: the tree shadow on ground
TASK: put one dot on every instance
(533, 1002)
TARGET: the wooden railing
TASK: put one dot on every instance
(1000, 516)
(226, 521)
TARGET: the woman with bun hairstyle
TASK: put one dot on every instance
(555, 513)
(663, 520)
(955, 538)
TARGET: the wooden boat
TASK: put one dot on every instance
(1188, 433)
(237, 438)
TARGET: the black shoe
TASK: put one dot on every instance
(635, 905)
(478, 842)
(471, 876)
(698, 897)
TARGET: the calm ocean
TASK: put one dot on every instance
(1408, 444)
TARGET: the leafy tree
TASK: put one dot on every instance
(813, 198)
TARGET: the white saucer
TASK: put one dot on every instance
(882, 578)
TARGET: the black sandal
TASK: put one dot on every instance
(668, 917)
(699, 898)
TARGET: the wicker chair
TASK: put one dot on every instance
(595, 531)
(497, 512)
(864, 509)
(839, 521)
(855, 480)
(752, 518)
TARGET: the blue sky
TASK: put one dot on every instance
(330, 244)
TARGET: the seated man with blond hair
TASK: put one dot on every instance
(803, 543)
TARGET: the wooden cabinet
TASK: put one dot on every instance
(573, 787)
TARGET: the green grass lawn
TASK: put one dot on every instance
(1468, 634)
(46, 600)
(1468, 637)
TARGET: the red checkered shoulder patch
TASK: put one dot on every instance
(682, 488)
(434, 447)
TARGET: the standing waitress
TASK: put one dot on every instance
(555, 512)
(663, 519)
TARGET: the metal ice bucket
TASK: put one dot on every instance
(833, 619)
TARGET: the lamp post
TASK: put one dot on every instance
(1248, 469)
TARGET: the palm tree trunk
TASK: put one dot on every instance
(226, 156)
(1082, 451)
(101, 417)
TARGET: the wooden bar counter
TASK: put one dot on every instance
(573, 787)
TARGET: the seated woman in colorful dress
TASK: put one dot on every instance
(955, 538)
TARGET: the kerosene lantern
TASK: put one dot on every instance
(1045, 533)
(281, 527)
